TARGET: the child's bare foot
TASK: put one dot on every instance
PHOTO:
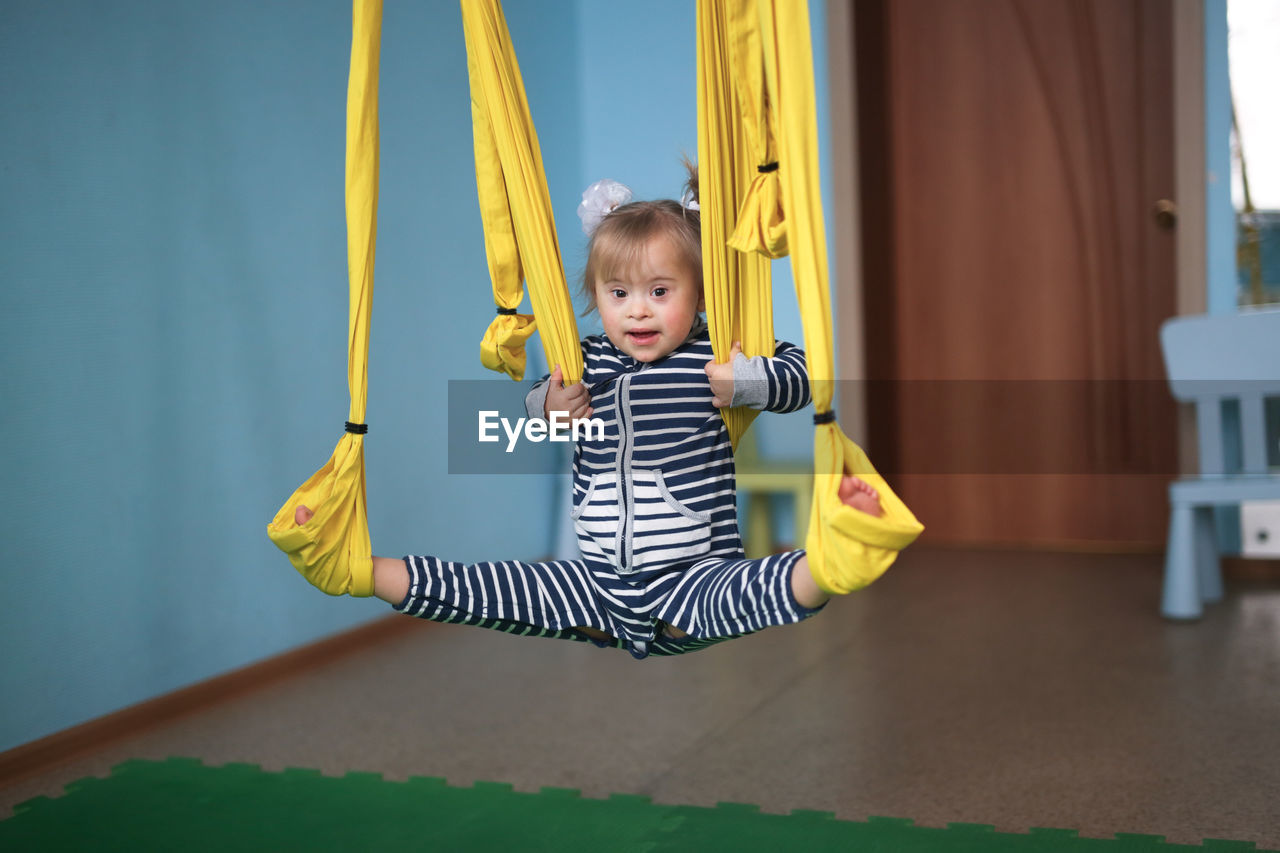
(854, 492)
(390, 579)
(859, 494)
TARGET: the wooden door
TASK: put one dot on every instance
(1011, 156)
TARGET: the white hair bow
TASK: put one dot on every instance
(599, 200)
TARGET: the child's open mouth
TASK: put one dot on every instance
(643, 337)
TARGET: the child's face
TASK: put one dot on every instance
(649, 309)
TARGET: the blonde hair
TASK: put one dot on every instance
(621, 238)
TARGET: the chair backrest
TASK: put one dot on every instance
(1231, 359)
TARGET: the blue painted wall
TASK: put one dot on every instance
(174, 291)
(1221, 279)
(1220, 224)
(174, 286)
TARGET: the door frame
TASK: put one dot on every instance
(1189, 183)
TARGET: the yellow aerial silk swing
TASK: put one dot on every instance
(847, 549)
(761, 49)
(332, 550)
(744, 44)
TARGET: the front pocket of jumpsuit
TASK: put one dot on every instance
(664, 530)
(596, 519)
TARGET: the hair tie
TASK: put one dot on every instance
(357, 429)
(767, 168)
(824, 418)
(506, 311)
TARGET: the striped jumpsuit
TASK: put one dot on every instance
(655, 511)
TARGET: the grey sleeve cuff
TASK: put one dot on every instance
(535, 402)
(750, 382)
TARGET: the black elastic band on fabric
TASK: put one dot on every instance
(502, 310)
(767, 168)
(358, 429)
(824, 418)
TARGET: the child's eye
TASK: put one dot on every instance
(659, 291)
(618, 293)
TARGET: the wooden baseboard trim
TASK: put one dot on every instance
(1063, 547)
(88, 737)
(1251, 569)
(1233, 568)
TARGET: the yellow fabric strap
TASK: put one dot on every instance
(737, 286)
(847, 549)
(332, 550)
(519, 227)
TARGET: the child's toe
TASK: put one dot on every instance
(848, 486)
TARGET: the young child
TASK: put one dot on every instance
(662, 569)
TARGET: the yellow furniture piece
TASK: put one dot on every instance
(757, 480)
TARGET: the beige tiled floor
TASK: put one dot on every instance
(1006, 688)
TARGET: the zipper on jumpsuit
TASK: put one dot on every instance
(623, 474)
(639, 648)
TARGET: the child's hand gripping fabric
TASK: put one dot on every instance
(720, 375)
(575, 399)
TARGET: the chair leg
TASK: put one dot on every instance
(1208, 566)
(758, 540)
(1181, 596)
(801, 499)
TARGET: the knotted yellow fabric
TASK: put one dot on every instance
(502, 347)
(332, 549)
(847, 549)
(761, 224)
(519, 227)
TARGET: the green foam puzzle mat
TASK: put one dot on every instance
(182, 804)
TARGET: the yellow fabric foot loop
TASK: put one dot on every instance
(847, 548)
(503, 346)
(332, 550)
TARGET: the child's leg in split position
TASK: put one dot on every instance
(391, 581)
(854, 492)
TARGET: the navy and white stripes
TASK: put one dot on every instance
(655, 511)
(711, 601)
(658, 488)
